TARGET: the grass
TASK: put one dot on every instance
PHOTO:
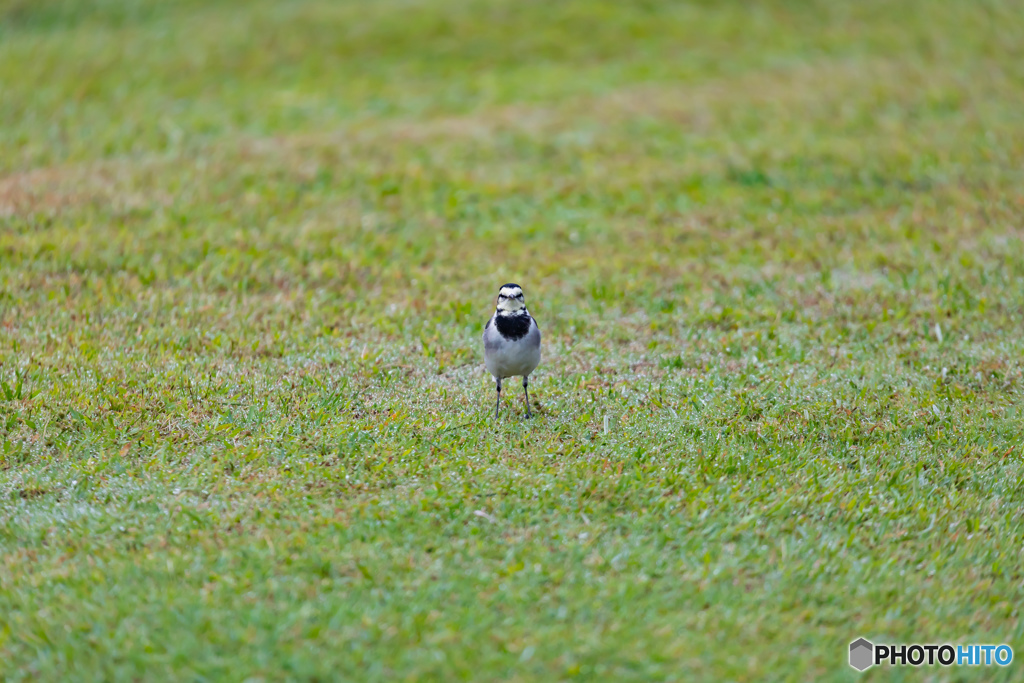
(247, 250)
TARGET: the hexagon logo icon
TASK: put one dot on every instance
(861, 652)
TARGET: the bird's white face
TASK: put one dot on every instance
(510, 299)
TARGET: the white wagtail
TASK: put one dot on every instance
(511, 341)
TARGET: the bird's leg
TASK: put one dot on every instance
(526, 396)
(497, 403)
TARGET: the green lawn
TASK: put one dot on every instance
(247, 249)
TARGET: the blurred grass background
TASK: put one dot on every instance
(247, 250)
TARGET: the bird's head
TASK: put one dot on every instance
(510, 299)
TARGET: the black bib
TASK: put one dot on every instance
(513, 326)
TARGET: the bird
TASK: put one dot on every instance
(511, 342)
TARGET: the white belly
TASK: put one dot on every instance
(514, 359)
